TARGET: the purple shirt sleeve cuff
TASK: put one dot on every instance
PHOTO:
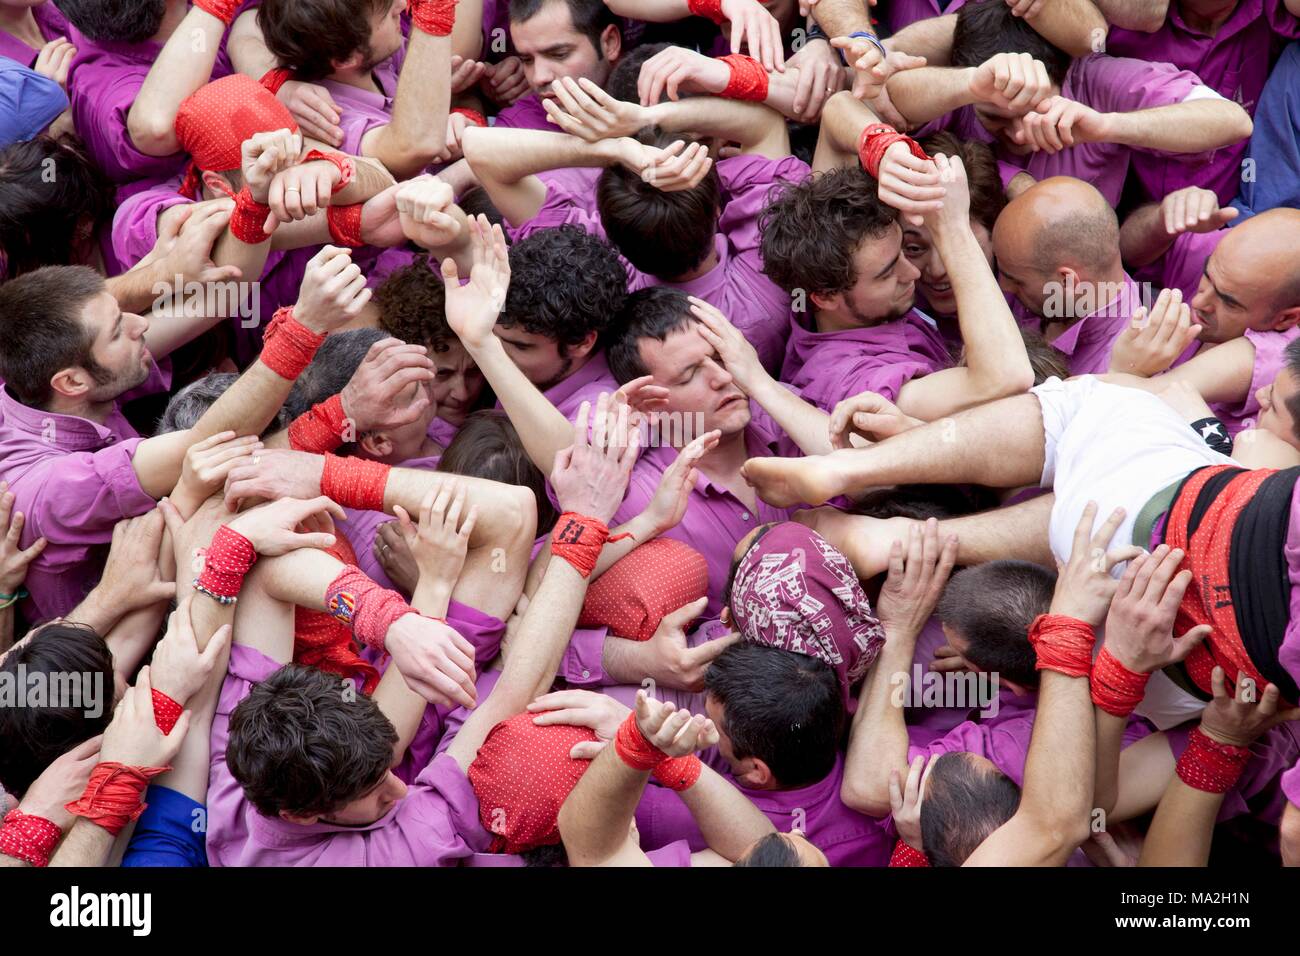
(581, 664)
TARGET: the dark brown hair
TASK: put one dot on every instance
(309, 36)
(488, 446)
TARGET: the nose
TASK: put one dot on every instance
(396, 789)
(932, 267)
(460, 389)
(543, 75)
(1261, 396)
(1203, 298)
(141, 325)
(719, 377)
(909, 272)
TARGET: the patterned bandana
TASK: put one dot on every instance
(793, 590)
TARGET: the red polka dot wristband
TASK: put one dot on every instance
(748, 79)
(1115, 688)
(114, 796)
(355, 482)
(225, 563)
(877, 138)
(1063, 644)
(1210, 766)
(288, 346)
(321, 428)
(27, 837)
(435, 17)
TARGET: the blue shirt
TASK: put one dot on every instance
(29, 102)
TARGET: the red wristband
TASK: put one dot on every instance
(288, 346)
(115, 795)
(679, 773)
(435, 17)
(370, 610)
(633, 749)
(906, 855)
(27, 837)
(165, 712)
(706, 8)
(321, 428)
(578, 539)
(223, 10)
(345, 225)
(248, 221)
(343, 163)
(1063, 644)
(355, 482)
(1115, 688)
(275, 78)
(877, 138)
(474, 116)
(225, 563)
(748, 79)
(1210, 766)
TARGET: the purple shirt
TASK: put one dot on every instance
(1235, 62)
(1269, 360)
(902, 13)
(715, 518)
(738, 285)
(1288, 653)
(828, 367)
(52, 24)
(435, 824)
(1108, 85)
(73, 480)
(526, 112)
(103, 83)
(1184, 263)
(362, 110)
(584, 385)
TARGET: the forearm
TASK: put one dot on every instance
(467, 33)
(930, 38)
(929, 92)
(1143, 238)
(1191, 127)
(136, 290)
(596, 817)
(758, 129)
(6, 629)
(1183, 827)
(183, 65)
(651, 11)
(1075, 26)
(506, 162)
(371, 179)
(805, 423)
(640, 530)
(133, 638)
(1110, 740)
(839, 18)
(1146, 16)
(506, 513)
(247, 48)
(878, 740)
(1061, 764)
(418, 133)
(728, 821)
(844, 117)
(87, 844)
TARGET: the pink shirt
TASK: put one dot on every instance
(737, 286)
(435, 824)
(1270, 348)
(526, 112)
(362, 110)
(1107, 84)
(52, 25)
(73, 480)
(584, 385)
(1235, 62)
(828, 367)
(103, 83)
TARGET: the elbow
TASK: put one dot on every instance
(1290, 835)
(152, 133)
(1149, 17)
(855, 795)
(1242, 126)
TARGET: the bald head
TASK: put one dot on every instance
(1265, 251)
(1059, 223)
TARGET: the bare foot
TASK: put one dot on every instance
(786, 482)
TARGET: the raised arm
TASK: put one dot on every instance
(1075, 26)
(182, 66)
(1217, 752)
(997, 365)
(1193, 126)
(751, 24)
(1145, 16)
(417, 135)
(1151, 230)
(1057, 797)
(878, 742)
(1012, 81)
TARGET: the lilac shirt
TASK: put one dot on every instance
(73, 480)
(435, 824)
(1270, 348)
(1108, 85)
(903, 13)
(1235, 62)
(584, 385)
(715, 518)
(828, 367)
(738, 285)
(362, 110)
(526, 112)
(52, 24)
(103, 83)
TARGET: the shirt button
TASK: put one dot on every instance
(745, 515)
(586, 674)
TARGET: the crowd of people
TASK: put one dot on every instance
(649, 432)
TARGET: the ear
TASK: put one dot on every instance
(376, 445)
(216, 182)
(73, 382)
(1020, 690)
(611, 43)
(353, 62)
(1068, 278)
(302, 821)
(1286, 319)
(826, 303)
(583, 348)
(756, 775)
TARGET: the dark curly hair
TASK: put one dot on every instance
(664, 234)
(120, 21)
(987, 197)
(308, 36)
(412, 306)
(812, 229)
(297, 744)
(564, 284)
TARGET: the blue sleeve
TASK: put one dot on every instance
(29, 102)
(172, 831)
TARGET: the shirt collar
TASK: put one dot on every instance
(1102, 321)
(64, 432)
